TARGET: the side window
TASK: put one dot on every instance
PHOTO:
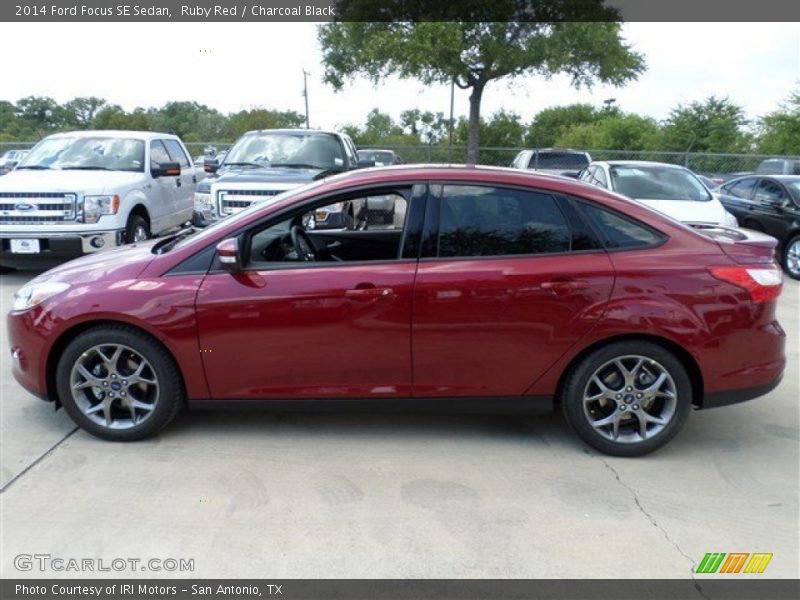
(742, 188)
(158, 154)
(600, 177)
(176, 153)
(347, 230)
(488, 221)
(350, 149)
(769, 191)
(619, 232)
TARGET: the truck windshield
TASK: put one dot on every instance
(86, 153)
(300, 149)
(646, 182)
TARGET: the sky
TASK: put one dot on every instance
(232, 66)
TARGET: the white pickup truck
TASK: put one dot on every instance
(81, 192)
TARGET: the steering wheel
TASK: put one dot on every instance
(302, 244)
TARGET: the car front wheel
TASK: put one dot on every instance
(627, 398)
(119, 384)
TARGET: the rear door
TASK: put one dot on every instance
(509, 280)
(737, 197)
(770, 203)
(183, 193)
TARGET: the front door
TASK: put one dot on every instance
(511, 288)
(312, 314)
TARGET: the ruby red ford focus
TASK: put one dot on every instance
(473, 289)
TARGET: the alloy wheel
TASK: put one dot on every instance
(140, 234)
(630, 399)
(114, 386)
(793, 258)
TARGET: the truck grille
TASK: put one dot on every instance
(232, 201)
(26, 208)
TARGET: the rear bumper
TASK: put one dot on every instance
(57, 247)
(715, 399)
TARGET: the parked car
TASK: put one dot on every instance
(779, 166)
(770, 204)
(266, 162)
(380, 158)
(671, 189)
(80, 192)
(553, 160)
(10, 159)
(710, 183)
(514, 290)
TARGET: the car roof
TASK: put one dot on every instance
(133, 135)
(375, 150)
(637, 163)
(560, 150)
(296, 130)
(783, 178)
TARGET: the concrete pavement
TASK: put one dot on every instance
(311, 495)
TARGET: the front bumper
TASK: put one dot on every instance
(57, 247)
(27, 346)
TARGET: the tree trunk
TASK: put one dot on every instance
(473, 140)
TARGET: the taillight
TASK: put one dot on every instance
(763, 283)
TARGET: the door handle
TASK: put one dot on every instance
(564, 287)
(369, 293)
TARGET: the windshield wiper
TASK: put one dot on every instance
(35, 167)
(167, 243)
(297, 165)
(243, 164)
(85, 168)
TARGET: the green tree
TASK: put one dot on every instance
(473, 54)
(263, 118)
(424, 126)
(112, 116)
(40, 114)
(502, 130)
(617, 132)
(551, 123)
(779, 131)
(80, 112)
(714, 125)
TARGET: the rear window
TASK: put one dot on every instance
(573, 161)
(618, 232)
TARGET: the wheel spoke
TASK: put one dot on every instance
(107, 411)
(96, 408)
(142, 405)
(655, 387)
(629, 375)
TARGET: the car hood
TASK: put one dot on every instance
(710, 211)
(119, 264)
(267, 175)
(66, 181)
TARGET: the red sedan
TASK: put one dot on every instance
(489, 290)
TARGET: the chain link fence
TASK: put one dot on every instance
(706, 163)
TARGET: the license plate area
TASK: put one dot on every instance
(24, 246)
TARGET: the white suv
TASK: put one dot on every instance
(80, 192)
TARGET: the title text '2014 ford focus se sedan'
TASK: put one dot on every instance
(490, 290)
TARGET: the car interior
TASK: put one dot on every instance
(367, 229)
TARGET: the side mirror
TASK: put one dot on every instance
(210, 165)
(363, 163)
(167, 169)
(228, 255)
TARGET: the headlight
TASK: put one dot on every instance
(35, 293)
(95, 207)
(729, 220)
(202, 201)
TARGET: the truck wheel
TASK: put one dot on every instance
(136, 230)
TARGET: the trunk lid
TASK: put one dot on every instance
(744, 246)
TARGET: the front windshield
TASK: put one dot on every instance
(89, 153)
(645, 182)
(290, 149)
(378, 156)
(242, 215)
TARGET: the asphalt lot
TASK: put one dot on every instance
(309, 495)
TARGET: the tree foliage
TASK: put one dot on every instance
(714, 125)
(779, 131)
(473, 54)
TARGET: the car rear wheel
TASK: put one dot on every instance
(119, 384)
(791, 257)
(627, 398)
(136, 230)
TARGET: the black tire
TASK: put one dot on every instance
(171, 396)
(136, 222)
(794, 274)
(576, 385)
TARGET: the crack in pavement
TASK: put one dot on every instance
(653, 522)
(49, 451)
